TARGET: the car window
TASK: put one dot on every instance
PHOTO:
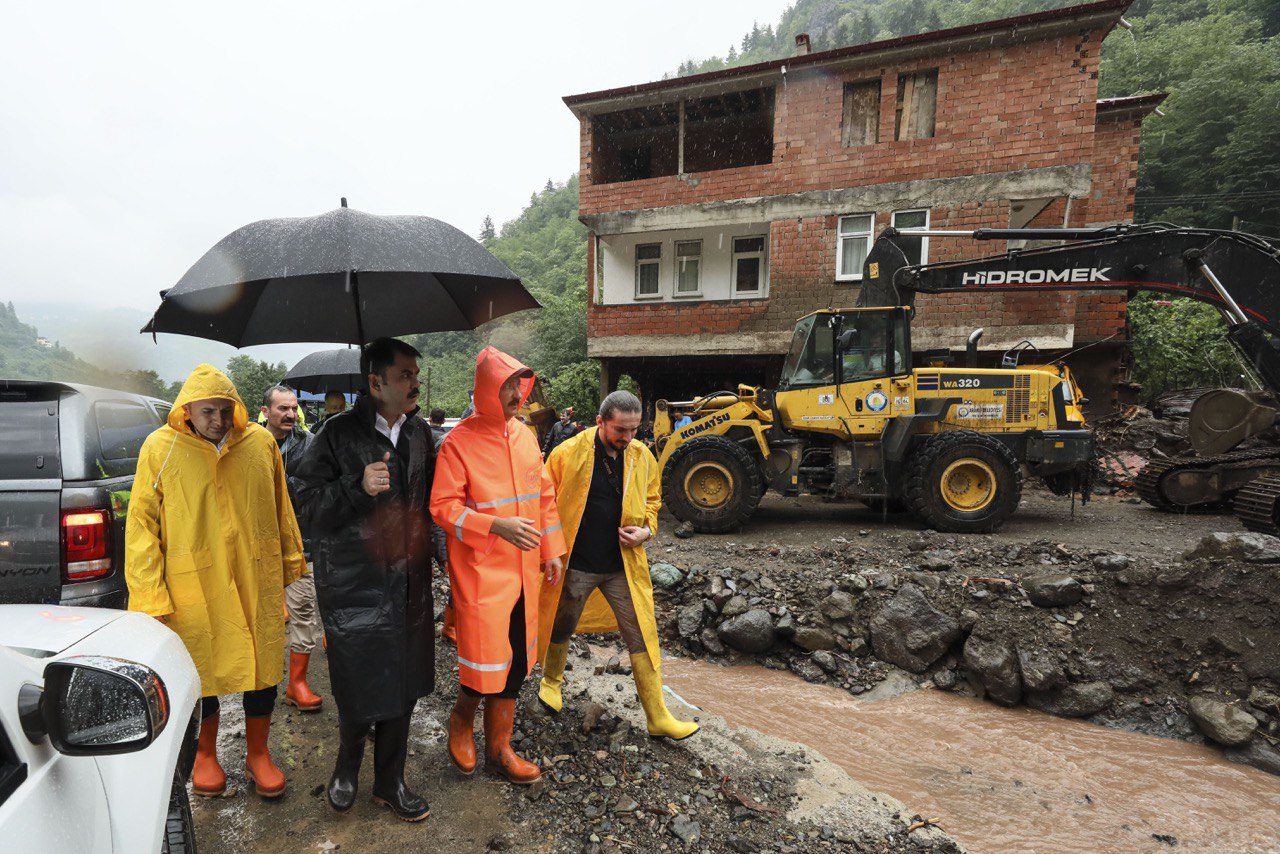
(30, 446)
(12, 771)
(122, 427)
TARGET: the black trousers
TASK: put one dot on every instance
(257, 704)
(519, 657)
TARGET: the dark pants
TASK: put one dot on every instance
(519, 658)
(257, 704)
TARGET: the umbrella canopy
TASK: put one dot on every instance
(328, 370)
(343, 276)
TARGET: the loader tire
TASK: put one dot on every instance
(963, 482)
(712, 483)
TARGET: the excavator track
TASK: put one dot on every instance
(1148, 481)
(1257, 504)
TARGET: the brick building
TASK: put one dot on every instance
(723, 206)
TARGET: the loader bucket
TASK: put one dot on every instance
(1225, 417)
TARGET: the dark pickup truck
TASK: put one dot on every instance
(67, 459)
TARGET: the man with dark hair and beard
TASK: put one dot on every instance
(363, 489)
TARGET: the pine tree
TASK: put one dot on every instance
(487, 232)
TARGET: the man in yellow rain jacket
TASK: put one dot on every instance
(494, 500)
(608, 491)
(210, 545)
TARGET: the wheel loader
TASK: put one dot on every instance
(853, 418)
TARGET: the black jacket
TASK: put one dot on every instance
(557, 434)
(292, 450)
(372, 562)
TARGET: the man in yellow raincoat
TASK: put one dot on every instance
(210, 545)
(492, 496)
(608, 491)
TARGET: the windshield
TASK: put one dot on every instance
(811, 359)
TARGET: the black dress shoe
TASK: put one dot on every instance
(390, 750)
(346, 771)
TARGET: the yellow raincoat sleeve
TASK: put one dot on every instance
(295, 562)
(449, 503)
(552, 545)
(653, 490)
(143, 554)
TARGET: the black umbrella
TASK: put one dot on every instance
(343, 276)
(328, 370)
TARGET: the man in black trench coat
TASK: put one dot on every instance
(364, 484)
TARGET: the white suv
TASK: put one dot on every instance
(99, 712)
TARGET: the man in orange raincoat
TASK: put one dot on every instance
(495, 502)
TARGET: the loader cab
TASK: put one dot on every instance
(846, 346)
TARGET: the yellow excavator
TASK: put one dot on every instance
(853, 418)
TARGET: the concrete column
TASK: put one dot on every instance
(606, 378)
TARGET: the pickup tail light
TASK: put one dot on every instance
(86, 543)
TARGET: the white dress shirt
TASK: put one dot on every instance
(392, 431)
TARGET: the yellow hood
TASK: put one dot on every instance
(205, 382)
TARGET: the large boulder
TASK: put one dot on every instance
(1246, 546)
(994, 665)
(838, 606)
(1079, 700)
(749, 632)
(1040, 670)
(665, 576)
(689, 620)
(1053, 590)
(1225, 723)
(813, 638)
(911, 633)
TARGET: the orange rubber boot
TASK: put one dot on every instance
(267, 779)
(499, 758)
(207, 777)
(299, 692)
(462, 740)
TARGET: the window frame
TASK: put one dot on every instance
(762, 289)
(872, 125)
(676, 257)
(924, 241)
(656, 262)
(840, 237)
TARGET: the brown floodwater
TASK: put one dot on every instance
(1005, 779)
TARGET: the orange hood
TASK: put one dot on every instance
(493, 368)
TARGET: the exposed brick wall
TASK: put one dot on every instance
(1018, 107)
(998, 110)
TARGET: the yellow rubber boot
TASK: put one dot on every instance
(649, 688)
(553, 676)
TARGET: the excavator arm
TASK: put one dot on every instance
(1235, 272)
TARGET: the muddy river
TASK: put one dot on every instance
(1006, 779)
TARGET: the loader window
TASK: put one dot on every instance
(874, 346)
(811, 359)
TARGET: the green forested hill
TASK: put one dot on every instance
(22, 357)
(1213, 158)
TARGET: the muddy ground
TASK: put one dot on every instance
(1150, 632)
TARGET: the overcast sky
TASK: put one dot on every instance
(134, 135)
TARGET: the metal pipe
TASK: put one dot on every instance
(1236, 313)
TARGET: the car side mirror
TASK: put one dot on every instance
(95, 705)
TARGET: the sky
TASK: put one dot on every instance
(135, 135)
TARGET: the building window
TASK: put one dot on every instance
(688, 268)
(748, 266)
(917, 101)
(852, 242)
(648, 263)
(915, 248)
(861, 122)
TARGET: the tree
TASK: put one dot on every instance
(486, 230)
(252, 378)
